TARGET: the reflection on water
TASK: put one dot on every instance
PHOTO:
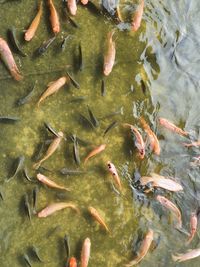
(156, 75)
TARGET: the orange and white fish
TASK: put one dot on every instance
(72, 262)
(146, 243)
(84, 2)
(109, 58)
(85, 252)
(72, 7)
(154, 143)
(191, 254)
(29, 34)
(193, 226)
(113, 171)
(197, 143)
(169, 125)
(56, 207)
(94, 152)
(45, 180)
(53, 87)
(52, 148)
(162, 182)
(8, 59)
(139, 140)
(54, 17)
(172, 207)
(98, 218)
(137, 17)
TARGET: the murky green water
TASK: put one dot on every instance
(172, 84)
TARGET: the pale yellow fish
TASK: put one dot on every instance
(193, 226)
(109, 58)
(146, 243)
(54, 19)
(94, 152)
(85, 252)
(84, 2)
(191, 254)
(53, 87)
(137, 17)
(172, 127)
(29, 34)
(56, 207)
(52, 148)
(45, 180)
(98, 218)
(113, 171)
(72, 7)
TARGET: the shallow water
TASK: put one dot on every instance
(172, 83)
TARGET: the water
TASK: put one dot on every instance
(172, 82)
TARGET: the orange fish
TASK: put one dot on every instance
(45, 180)
(72, 262)
(154, 143)
(169, 125)
(98, 218)
(8, 59)
(191, 254)
(85, 252)
(192, 144)
(137, 17)
(109, 58)
(34, 25)
(139, 140)
(54, 17)
(56, 207)
(72, 6)
(146, 243)
(193, 226)
(95, 151)
(113, 171)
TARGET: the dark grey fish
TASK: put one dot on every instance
(66, 171)
(43, 48)
(118, 112)
(93, 8)
(103, 88)
(78, 99)
(76, 151)
(1, 194)
(28, 97)
(63, 44)
(86, 121)
(27, 206)
(26, 175)
(67, 246)
(13, 38)
(35, 251)
(27, 260)
(35, 197)
(19, 163)
(110, 126)
(93, 118)
(75, 83)
(51, 129)
(9, 119)
(53, 231)
(80, 57)
(143, 86)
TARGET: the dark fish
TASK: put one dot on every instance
(26, 175)
(14, 41)
(35, 197)
(63, 44)
(27, 206)
(53, 231)
(76, 151)
(36, 253)
(19, 164)
(93, 8)
(1, 195)
(103, 88)
(28, 97)
(110, 126)
(80, 57)
(86, 121)
(93, 118)
(75, 83)
(78, 99)
(50, 129)
(67, 246)
(143, 86)
(118, 112)
(66, 171)
(42, 49)
(27, 260)
(8, 119)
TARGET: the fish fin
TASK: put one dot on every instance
(16, 75)
(50, 83)
(36, 165)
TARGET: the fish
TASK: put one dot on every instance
(51, 149)
(193, 227)
(144, 248)
(30, 32)
(170, 126)
(154, 143)
(26, 99)
(18, 166)
(35, 197)
(113, 171)
(44, 46)
(66, 171)
(117, 112)
(103, 88)
(197, 143)
(15, 43)
(63, 44)
(137, 17)
(86, 121)
(78, 99)
(172, 207)
(8, 59)
(53, 87)
(191, 254)
(95, 151)
(1, 195)
(76, 152)
(110, 126)
(109, 58)
(67, 246)
(27, 206)
(72, 262)
(49, 210)
(143, 86)
(26, 175)
(54, 19)
(72, 7)
(35, 251)
(27, 260)
(98, 218)
(73, 81)
(9, 119)
(45, 180)
(139, 143)
(80, 61)
(93, 118)
(84, 2)
(85, 252)
(162, 182)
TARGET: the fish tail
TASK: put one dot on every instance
(175, 257)
(16, 75)
(37, 165)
